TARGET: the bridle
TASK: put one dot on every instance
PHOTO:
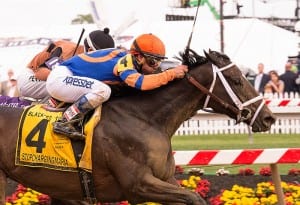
(242, 113)
(239, 109)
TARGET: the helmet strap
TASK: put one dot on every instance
(137, 48)
(90, 43)
(136, 63)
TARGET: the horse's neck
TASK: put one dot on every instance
(171, 113)
(164, 108)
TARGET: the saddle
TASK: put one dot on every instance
(54, 105)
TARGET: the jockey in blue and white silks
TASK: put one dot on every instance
(84, 79)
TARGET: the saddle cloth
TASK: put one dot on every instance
(39, 146)
(14, 101)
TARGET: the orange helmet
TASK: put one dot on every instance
(148, 44)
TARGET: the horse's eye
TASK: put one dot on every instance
(237, 80)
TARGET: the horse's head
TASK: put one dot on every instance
(229, 92)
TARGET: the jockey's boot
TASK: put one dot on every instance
(71, 122)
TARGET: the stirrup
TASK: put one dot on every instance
(74, 135)
(66, 123)
(67, 129)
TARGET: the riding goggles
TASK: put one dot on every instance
(152, 61)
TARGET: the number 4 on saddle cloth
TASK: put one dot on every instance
(39, 146)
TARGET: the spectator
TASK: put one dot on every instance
(275, 85)
(289, 78)
(9, 86)
(298, 81)
(261, 79)
(294, 66)
(298, 63)
(268, 89)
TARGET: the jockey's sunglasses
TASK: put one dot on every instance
(152, 61)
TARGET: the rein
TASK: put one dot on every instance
(241, 112)
(210, 94)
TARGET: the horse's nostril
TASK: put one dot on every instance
(270, 119)
(265, 125)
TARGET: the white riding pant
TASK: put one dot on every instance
(62, 85)
(30, 86)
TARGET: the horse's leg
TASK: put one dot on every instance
(173, 180)
(3, 181)
(10, 187)
(150, 188)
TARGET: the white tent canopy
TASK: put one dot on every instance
(18, 45)
(246, 41)
(251, 41)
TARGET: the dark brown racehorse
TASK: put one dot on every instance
(132, 153)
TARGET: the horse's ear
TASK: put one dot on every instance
(206, 54)
(217, 58)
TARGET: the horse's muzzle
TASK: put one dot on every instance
(265, 124)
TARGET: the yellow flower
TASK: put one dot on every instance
(184, 182)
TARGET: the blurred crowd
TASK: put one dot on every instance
(273, 83)
(9, 86)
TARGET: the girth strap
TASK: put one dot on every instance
(87, 185)
(86, 179)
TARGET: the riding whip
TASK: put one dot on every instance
(80, 37)
(190, 38)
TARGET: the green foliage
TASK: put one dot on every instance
(82, 18)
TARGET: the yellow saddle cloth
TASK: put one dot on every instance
(39, 146)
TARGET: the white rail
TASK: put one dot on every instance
(286, 108)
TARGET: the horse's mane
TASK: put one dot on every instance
(120, 90)
(191, 58)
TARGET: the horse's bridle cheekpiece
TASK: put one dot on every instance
(240, 109)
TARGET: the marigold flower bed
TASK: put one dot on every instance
(219, 183)
(217, 190)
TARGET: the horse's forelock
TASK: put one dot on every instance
(191, 58)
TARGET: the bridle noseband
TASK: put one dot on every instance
(239, 109)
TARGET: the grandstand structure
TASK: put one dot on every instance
(285, 23)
